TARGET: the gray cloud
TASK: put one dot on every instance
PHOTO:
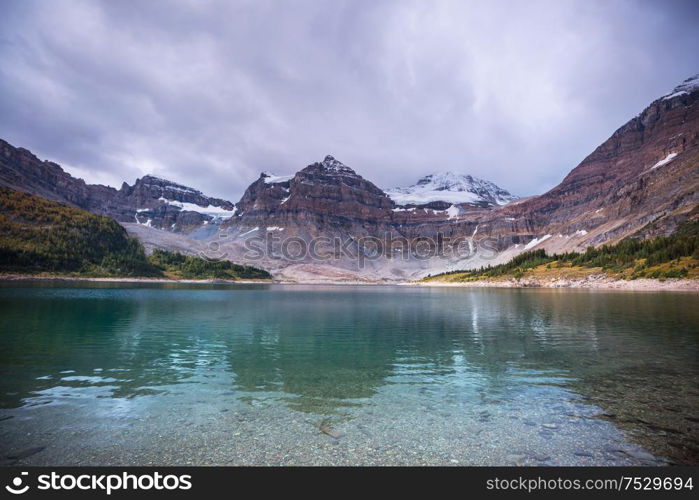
(210, 93)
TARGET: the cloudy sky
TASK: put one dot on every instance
(210, 93)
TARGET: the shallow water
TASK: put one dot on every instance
(270, 374)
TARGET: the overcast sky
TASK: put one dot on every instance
(211, 93)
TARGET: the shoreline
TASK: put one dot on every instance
(29, 277)
(591, 282)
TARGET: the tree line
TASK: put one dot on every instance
(635, 255)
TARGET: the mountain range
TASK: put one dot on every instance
(640, 182)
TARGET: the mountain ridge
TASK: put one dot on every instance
(642, 181)
(149, 198)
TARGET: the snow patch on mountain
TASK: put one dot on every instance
(276, 179)
(210, 210)
(536, 241)
(450, 188)
(249, 232)
(664, 161)
(686, 87)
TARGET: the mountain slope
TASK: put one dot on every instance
(166, 205)
(674, 256)
(325, 198)
(38, 235)
(642, 180)
(42, 236)
(150, 201)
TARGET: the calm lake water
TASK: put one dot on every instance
(272, 374)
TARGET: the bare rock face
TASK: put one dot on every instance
(324, 196)
(325, 188)
(332, 187)
(21, 170)
(148, 188)
(166, 205)
(265, 196)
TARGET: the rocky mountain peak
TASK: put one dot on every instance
(164, 185)
(333, 166)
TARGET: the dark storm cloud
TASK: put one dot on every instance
(210, 93)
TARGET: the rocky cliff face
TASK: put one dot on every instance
(150, 188)
(21, 170)
(166, 205)
(324, 195)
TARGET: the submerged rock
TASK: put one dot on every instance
(325, 428)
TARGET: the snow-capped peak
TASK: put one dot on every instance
(450, 187)
(686, 87)
(336, 166)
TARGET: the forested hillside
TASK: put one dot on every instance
(178, 266)
(38, 236)
(674, 256)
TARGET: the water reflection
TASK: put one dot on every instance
(328, 351)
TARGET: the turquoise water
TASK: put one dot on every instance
(274, 374)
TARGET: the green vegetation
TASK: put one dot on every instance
(674, 256)
(176, 265)
(38, 236)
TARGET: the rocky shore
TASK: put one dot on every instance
(599, 281)
(26, 277)
(591, 282)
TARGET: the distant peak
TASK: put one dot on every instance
(686, 87)
(153, 177)
(164, 184)
(450, 187)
